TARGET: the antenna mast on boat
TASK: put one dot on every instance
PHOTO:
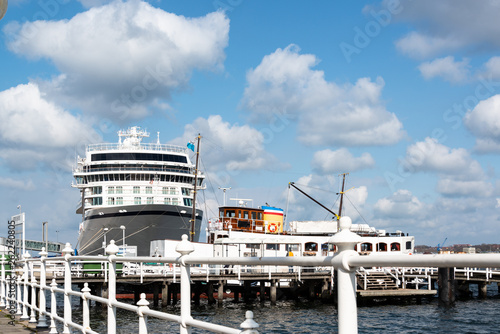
(193, 217)
(342, 193)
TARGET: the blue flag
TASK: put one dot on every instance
(190, 146)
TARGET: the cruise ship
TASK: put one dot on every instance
(135, 192)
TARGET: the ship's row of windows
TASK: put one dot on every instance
(137, 177)
(139, 201)
(136, 167)
(147, 190)
(138, 156)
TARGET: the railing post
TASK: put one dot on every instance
(33, 294)
(184, 248)
(143, 320)
(112, 249)
(249, 326)
(3, 296)
(346, 277)
(42, 319)
(19, 296)
(67, 286)
(25, 316)
(85, 306)
(53, 307)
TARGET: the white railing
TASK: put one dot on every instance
(346, 261)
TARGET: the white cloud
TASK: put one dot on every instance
(421, 46)
(117, 59)
(35, 130)
(452, 187)
(484, 122)
(326, 113)
(17, 184)
(445, 26)
(230, 147)
(402, 204)
(429, 155)
(447, 68)
(341, 160)
(492, 68)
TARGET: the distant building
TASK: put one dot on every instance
(470, 250)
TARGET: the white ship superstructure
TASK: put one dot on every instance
(135, 192)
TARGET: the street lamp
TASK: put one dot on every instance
(45, 235)
(104, 243)
(123, 229)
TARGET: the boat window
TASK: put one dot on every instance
(395, 247)
(292, 247)
(175, 201)
(243, 223)
(97, 201)
(111, 200)
(382, 247)
(167, 201)
(111, 190)
(272, 246)
(254, 215)
(408, 245)
(253, 246)
(149, 190)
(230, 213)
(185, 191)
(366, 247)
(311, 247)
(150, 200)
(137, 200)
(138, 156)
(245, 214)
(119, 200)
(137, 190)
(187, 202)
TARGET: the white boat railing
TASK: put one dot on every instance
(346, 261)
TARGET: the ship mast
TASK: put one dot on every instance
(342, 194)
(193, 217)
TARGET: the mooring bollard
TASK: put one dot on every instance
(185, 248)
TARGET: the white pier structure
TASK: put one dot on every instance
(346, 261)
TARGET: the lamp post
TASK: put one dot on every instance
(122, 227)
(104, 243)
(45, 235)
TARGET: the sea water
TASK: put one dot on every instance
(473, 316)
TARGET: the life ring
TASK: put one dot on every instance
(272, 227)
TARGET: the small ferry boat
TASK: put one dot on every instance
(245, 231)
(135, 192)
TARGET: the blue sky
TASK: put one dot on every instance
(402, 95)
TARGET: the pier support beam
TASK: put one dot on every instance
(446, 284)
(220, 293)
(156, 294)
(210, 293)
(165, 300)
(273, 292)
(262, 294)
(482, 290)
